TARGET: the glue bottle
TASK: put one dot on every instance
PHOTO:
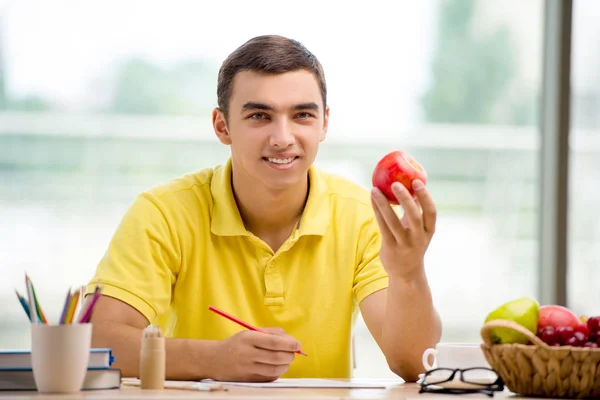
(152, 359)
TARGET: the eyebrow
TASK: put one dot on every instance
(251, 105)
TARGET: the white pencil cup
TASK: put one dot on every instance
(60, 356)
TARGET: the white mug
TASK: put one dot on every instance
(454, 355)
(60, 356)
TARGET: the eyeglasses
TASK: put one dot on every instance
(470, 380)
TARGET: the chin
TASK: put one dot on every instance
(281, 184)
(279, 181)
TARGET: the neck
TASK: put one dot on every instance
(268, 210)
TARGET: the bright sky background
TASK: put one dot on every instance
(373, 53)
(376, 54)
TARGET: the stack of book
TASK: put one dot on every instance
(16, 372)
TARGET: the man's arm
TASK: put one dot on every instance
(403, 318)
(403, 322)
(119, 326)
(245, 356)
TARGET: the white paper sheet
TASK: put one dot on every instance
(317, 383)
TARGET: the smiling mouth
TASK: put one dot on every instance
(280, 161)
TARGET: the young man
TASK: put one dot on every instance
(271, 239)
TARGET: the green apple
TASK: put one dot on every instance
(524, 311)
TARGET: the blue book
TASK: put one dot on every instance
(95, 379)
(21, 359)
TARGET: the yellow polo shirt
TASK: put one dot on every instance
(182, 246)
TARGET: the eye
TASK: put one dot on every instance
(257, 115)
(304, 115)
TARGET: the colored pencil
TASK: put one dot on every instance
(38, 308)
(72, 307)
(242, 323)
(63, 314)
(87, 314)
(24, 304)
(33, 315)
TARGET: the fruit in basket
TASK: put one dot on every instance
(548, 335)
(583, 328)
(524, 311)
(555, 316)
(579, 336)
(564, 333)
(397, 166)
(578, 339)
(593, 324)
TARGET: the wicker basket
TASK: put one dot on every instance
(541, 370)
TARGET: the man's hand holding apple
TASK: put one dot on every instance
(405, 242)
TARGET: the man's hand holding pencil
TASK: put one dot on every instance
(260, 355)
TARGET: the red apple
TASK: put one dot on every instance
(555, 316)
(397, 166)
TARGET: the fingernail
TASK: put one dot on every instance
(417, 184)
(376, 192)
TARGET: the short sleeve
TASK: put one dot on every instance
(142, 260)
(369, 275)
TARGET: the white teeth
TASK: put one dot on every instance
(281, 160)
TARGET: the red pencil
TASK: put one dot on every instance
(244, 324)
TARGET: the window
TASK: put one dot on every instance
(584, 192)
(102, 100)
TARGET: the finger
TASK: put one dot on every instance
(268, 372)
(427, 205)
(275, 331)
(272, 357)
(411, 210)
(386, 233)
(404, 221)
(276, 342)
(390, 218)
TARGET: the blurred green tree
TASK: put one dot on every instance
(471, 73)
(142, 87)
(29, 103)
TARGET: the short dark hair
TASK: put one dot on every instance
(270, 54)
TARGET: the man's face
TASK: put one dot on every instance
(274, 127)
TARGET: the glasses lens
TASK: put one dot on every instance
(439, 375)
(479, 376)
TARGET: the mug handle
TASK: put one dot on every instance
(425, 359)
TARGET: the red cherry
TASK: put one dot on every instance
(583, 329)
(548, 335)
(564, 333)
(593, 324)
(594, 336)
(580, 337)
(572, 341)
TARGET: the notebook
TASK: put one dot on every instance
(95, 379)
(317, 383)
(21, 359)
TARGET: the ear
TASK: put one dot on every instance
(325, 124)
(220, 126)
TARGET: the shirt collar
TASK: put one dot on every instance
(226, 218)
(316, 215)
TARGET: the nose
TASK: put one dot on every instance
(282, 135)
